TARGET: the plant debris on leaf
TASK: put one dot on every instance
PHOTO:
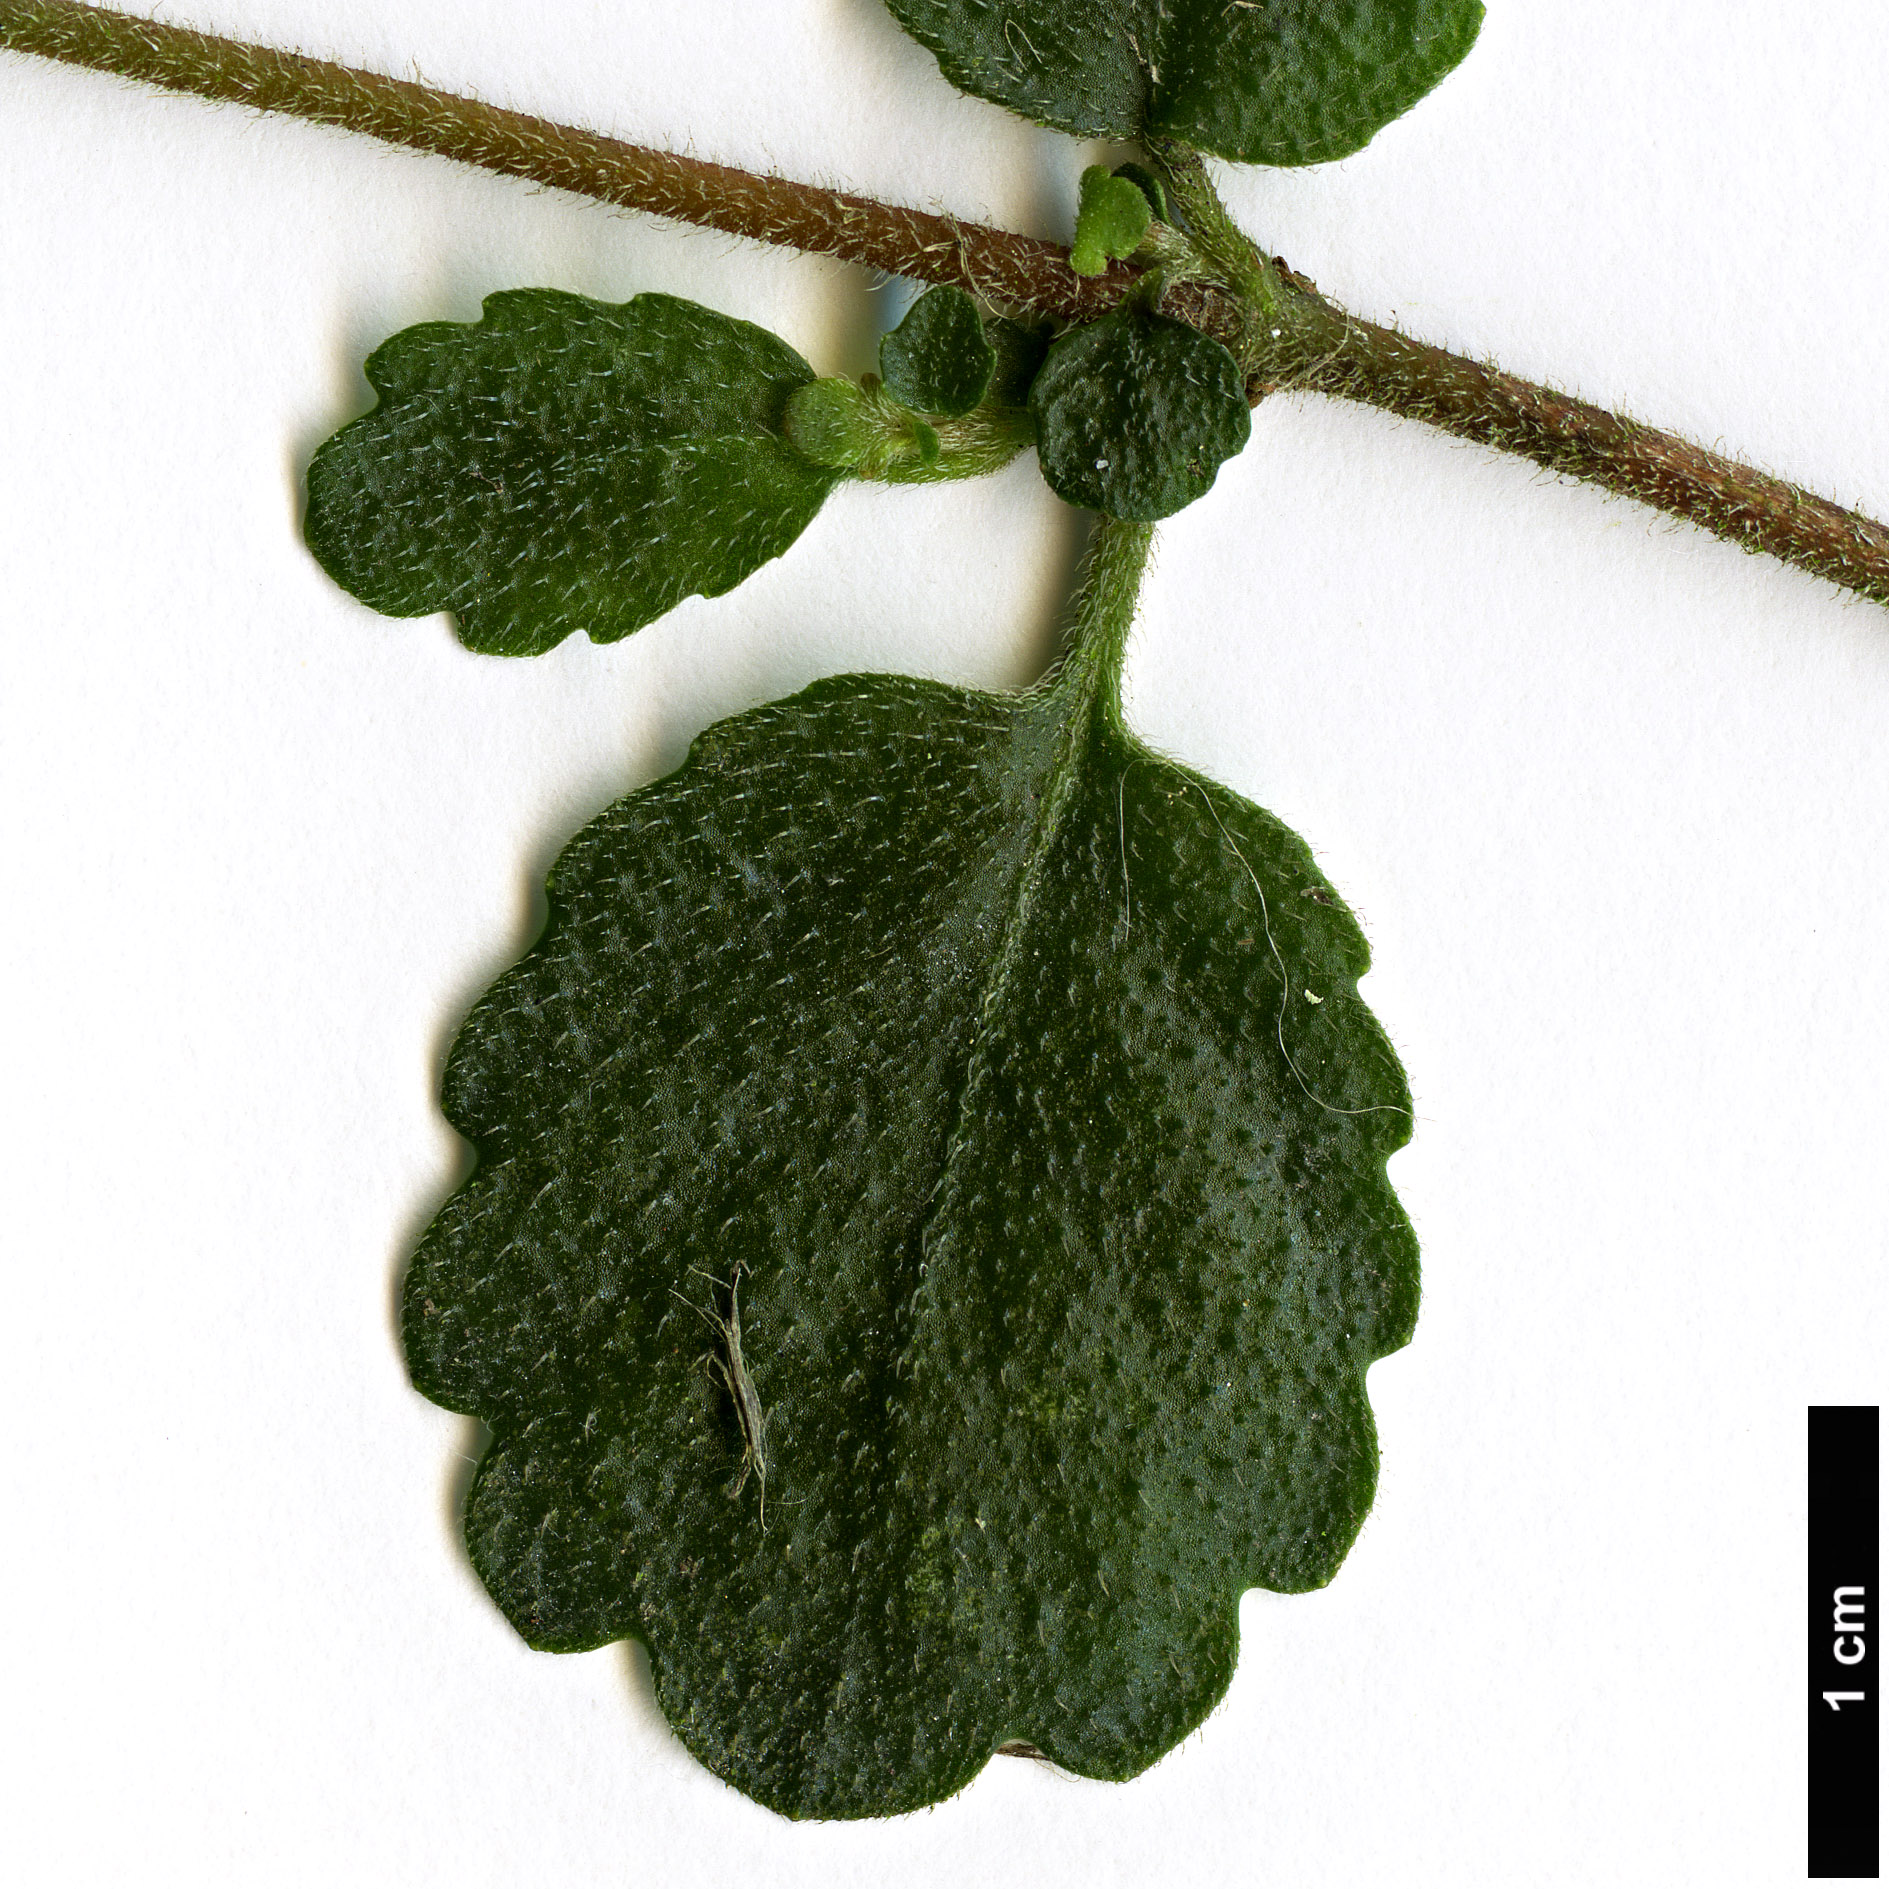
(1260, 81)
(1017, 1080)
(562, 465)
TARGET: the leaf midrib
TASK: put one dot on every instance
(1076, 692)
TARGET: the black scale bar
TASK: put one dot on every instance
(1844, 1620)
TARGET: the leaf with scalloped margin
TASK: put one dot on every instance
(564, 464)
(1260, 81)
(959, 1024)
(938, 360)
(1136, 413)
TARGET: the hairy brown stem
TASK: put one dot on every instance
(1357, 360)
(1018, 272)
(1325, 350)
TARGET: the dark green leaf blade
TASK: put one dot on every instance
(564, 464)
(1020, 351)
(1262, 82)
(938, 359)
(1304, 81)
(1024, 1077)
(1136, 413)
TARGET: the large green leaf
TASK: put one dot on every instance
(564, 465)
(1263, 81)
(1020, 1080)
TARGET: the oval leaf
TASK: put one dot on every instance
(1136, 413)
(1263, 81)
(564, 465)
(1010, 1087)
(938, 360)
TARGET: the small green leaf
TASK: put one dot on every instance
(937, 360)
(1112, 218)
(564, 465)
(1261, 81)
(1135, 413)
(1017, 1082)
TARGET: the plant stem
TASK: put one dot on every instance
(1019, 272)
(1106, 602)
(1286, 335)
(1322, 349)
(1340, 355)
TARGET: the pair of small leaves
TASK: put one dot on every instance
(1259, 81)
(1115, 214)
(1136, 412)
(565, 464)
(1111, 220)
(958, 1028)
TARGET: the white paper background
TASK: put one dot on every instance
(1610, 797)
